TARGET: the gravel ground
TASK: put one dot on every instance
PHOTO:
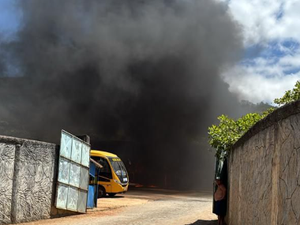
(145, 207)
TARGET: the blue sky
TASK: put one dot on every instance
(271, 62)
(9, 18)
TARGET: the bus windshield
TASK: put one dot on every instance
(119, 169)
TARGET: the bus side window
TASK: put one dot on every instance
(105, 171)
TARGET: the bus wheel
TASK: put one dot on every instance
(112, 194)
(101, 192)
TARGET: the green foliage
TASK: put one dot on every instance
(223, 136)
(289, 96)
(268, 111)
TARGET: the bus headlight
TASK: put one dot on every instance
(118, 182)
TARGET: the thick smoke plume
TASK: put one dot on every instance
(141, 73)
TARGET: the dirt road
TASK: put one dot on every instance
(145, 207)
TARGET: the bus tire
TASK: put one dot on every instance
(111, 194)
(101, 192)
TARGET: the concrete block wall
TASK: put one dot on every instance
(27, 173)
(264, 171)
(7, 160)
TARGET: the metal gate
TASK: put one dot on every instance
(73, 173)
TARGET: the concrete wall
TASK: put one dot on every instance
(27, 172)
(264, 171)
(7, 159)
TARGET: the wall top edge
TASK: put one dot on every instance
(270, 120)
(15, 140)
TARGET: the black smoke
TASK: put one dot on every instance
(139, 72)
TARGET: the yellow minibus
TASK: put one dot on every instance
(113, 177)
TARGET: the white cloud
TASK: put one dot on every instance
(263, 80)
(263, 20)
(269, 24)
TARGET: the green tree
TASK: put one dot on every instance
(223, 136)
(289, 96)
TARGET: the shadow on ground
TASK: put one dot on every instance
(204, 222)
(113, 196)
